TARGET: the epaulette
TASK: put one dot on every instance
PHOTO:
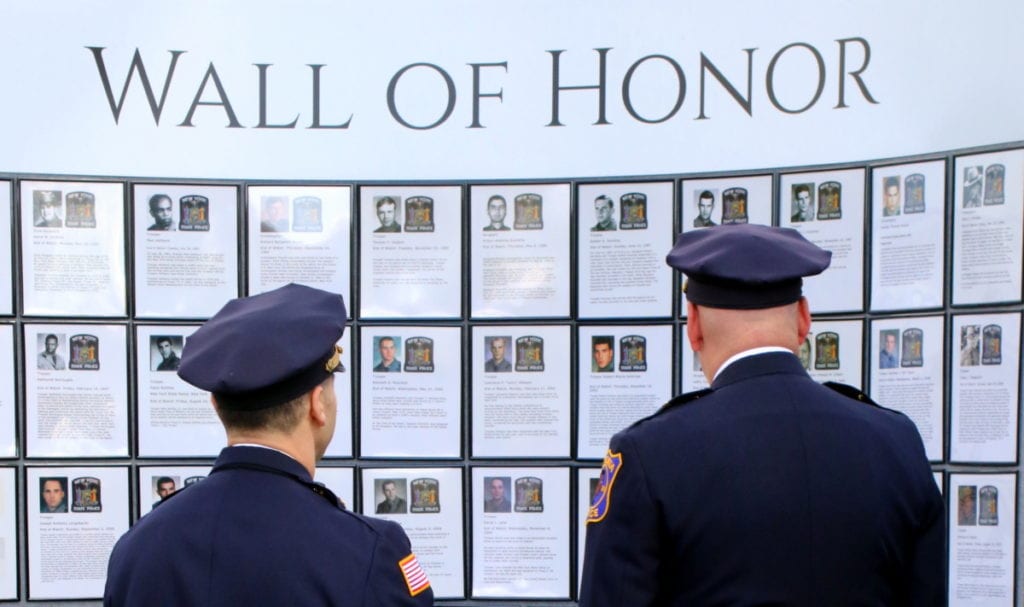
(851, 392)
(678, 401)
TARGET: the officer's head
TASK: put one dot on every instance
(269, 361)
(744, 288)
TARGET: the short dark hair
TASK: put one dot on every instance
(603, 339)
(706, 194)
(161, 339)
(611, 203)
(802, 188)
(386, 200)
(163, 480)
(155, 199)
(283, 417)
(50, 336)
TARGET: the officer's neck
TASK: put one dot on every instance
(719, 334)
(302, 451)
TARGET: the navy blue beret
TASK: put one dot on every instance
(746, 266)
(264, 350)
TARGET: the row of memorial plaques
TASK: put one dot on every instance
(411, 382)
(520, 516)
(411, 265)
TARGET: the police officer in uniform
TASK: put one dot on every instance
(767, 488)
(258, 530)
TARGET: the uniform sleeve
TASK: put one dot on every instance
(620, 565)
(926, 570)
(396, 578)
(928, 566)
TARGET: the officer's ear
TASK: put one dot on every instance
(803, 319)
(317, 406)
(694, 332)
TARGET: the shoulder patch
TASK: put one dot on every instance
(415, 577)
(850, 392)
(603, 494)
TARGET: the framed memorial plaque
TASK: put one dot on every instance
(72, 239)
(300, 234)
(428, 504)
(74, 516)
(76, 393)
(411, 252)
(623, 232)
(186, 249)
(520, 251)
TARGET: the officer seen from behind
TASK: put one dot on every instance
(767, 488)
(258, 530)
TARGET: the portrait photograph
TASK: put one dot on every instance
(165, 352)
(50, 347)
(53, 494)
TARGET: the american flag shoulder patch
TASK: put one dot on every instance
(415, 577)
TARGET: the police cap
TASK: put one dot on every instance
(746, 266)
(264, 350)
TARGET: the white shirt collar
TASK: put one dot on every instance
(745, 354)
(262, 447)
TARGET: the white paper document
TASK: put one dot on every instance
(300, 234)
(625, 374)
(427, 503)
(520, 533)
(982, 539)
(76, 390)
(74, 517)
(8, 536)
(905, 366)
(8, 403)
(520, 251)
(411, 391)
(988, 215)
(624, 232)
(411, 257)
(828, 209)
(175, 419)
(908, 228)
(6, 263)
(186, 249)
(521, 391)
(985, 388)
(72, 240)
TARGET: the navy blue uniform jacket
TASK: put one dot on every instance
(768, 489)
(254, 533)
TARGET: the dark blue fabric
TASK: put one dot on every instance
(745, 266)
(266, 349)
(769, 490)
(261, 536)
